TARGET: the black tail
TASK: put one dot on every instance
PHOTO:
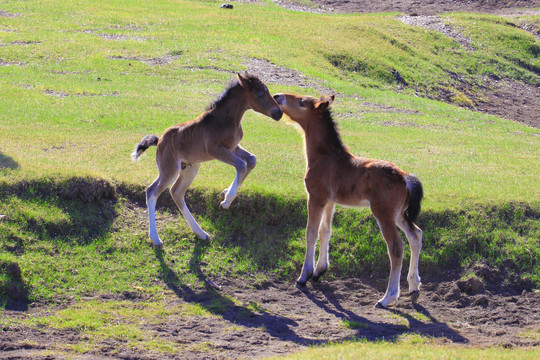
(146, 142)
(417, 193)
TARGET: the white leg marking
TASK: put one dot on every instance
(152, 232)
(325, 231)
(178, 191)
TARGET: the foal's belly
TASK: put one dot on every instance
(352, 202)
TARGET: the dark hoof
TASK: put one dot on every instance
(316, 278)
(301, 283)
(415, 295)
(378, 305)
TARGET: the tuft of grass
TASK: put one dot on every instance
(126, 321)
(408, 350)
(352, 324)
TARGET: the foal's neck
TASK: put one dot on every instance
(233, 106)
(321, 138)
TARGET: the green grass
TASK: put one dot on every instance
(82, 82)
(408, 349)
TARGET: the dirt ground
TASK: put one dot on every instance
(287, 319)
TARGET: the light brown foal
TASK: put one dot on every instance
(335, 176)
(215, 134)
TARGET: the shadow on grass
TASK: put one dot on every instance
(88, 211)
(7, 163)
(89, 206)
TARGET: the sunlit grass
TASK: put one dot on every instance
(408, 348)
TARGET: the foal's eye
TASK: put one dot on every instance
(301, 103)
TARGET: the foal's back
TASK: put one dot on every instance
(354, 181)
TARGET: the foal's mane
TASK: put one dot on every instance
(332, 131)
(222, 98)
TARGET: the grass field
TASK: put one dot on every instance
(81, 82)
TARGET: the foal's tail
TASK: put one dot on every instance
(414, 186)
(146, 142)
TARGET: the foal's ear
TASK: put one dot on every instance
(244, 81)
(325, 102)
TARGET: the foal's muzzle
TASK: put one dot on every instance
(276, 114)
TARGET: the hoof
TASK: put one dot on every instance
(301, 283)
(379, 305)
(317, 277)
(224, 205)
(415, 295)
(224, 193)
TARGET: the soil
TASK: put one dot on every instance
(287, 318)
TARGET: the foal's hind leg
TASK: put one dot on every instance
(325, 230)
(164, 180)
(414, 236)
(394, 245)
(178, 191)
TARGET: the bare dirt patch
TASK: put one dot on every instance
(275, 318)
(427, 7)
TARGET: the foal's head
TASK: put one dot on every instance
(258, 97)
(302, 109)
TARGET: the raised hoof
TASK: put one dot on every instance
(415, 295)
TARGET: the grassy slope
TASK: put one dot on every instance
(86, 82)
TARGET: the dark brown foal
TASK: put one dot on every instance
(215, 134)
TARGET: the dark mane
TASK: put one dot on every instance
(223, 96)
(232, 85)
(333, 135)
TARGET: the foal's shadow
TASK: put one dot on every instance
(216, 303)
(7, 162)
(374, 331)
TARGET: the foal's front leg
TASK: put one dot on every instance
(250, 160)
(315, 211)
(229, 157)
(325, 230)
